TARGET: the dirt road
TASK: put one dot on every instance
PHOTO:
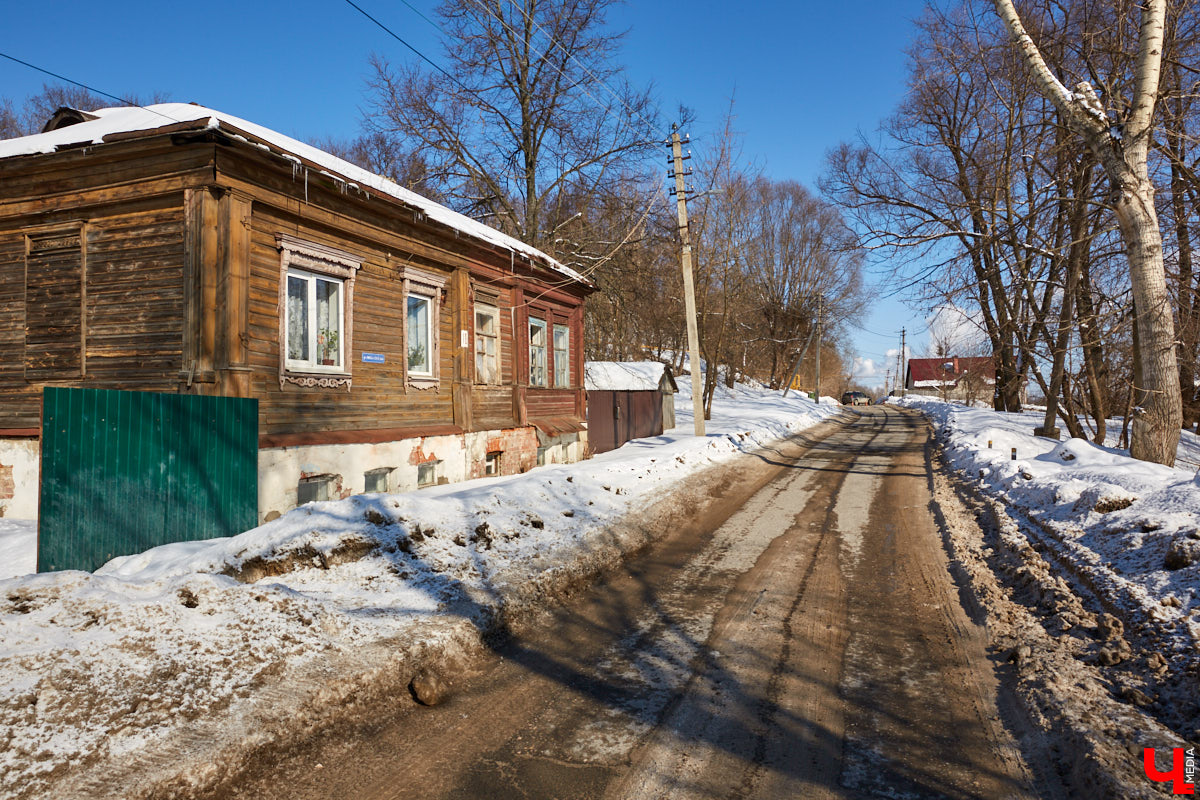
(812, 646)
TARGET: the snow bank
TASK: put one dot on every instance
(101, 666)
(18, 547)
(1126, 529)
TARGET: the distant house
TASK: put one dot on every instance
(628, 400)
(964, 379)
(390, 342)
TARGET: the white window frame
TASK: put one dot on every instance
(430, 304)
(312, 364)
(309, 260)
(535, 322)
(427, 286)
(563, 380)
(492, 311)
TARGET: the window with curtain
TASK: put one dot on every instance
(315, 334)
(316, 297)
(420, 335)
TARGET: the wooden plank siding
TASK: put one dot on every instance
(135, 300)
(54, 298)
(105, 313)
(378, 396)
(181, 291)
(386, 240)
(19, 408)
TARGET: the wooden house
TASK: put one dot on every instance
(961, 378)
(628, 400)
(391, 342)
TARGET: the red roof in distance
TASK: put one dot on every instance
(949, 369)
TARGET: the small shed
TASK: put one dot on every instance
(627, 400)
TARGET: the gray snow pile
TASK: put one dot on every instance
(108, 668)
(1105, 550)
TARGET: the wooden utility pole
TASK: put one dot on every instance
(689, 283)
(817, 377)
(903, 360)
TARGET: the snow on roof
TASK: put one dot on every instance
(149, 119)
(623, 376)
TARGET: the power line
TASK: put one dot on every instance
(868, 330)
(421, 14)
(91, 89)
(411, 47)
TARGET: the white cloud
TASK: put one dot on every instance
(865, 368)
(956, 330)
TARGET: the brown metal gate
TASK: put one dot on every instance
(616, 417)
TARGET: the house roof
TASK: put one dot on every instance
(625, 376)
(933, 372)
(106, 125)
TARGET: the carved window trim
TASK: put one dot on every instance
(430, 286)
(325, 261)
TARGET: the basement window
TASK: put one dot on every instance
(427, 474)
(377, 481)
(315, 488)
(491, 463)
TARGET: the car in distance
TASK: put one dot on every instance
(855, 399)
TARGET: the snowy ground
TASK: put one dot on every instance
(1113, 519)
(18, 547)
(1104, 551)
(100, 669)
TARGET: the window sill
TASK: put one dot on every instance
(322, 379)
(423, 383)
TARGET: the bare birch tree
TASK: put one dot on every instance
(1121, 147)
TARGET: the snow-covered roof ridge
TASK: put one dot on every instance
(623, 376)
(111, 122)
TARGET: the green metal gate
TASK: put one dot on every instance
(122, 472)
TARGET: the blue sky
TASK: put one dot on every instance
(806, 75)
